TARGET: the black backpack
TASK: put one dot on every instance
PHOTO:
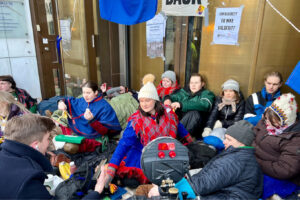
(200, 153)
(77, 185)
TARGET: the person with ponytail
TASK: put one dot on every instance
(150, 121)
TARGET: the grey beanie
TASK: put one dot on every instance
(170, 75)
(242, 131)
(231, 85)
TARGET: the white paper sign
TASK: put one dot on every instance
(184, 7)
(227, 25)
(65, 31)
(155, 33)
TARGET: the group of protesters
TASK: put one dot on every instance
(260, 136)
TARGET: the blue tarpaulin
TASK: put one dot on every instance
(127, 12)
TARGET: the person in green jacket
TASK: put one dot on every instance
(192, 104)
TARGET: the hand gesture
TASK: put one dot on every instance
(100, 181)
(175, 105)
(88, 115)
(61, 105)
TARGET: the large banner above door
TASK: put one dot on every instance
(184, 7)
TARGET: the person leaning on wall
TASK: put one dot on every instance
(8, 84)
(23, 162)
(259, 101)
(192, 104)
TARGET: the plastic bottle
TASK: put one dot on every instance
(72, 167)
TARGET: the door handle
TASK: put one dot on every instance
(46, 48)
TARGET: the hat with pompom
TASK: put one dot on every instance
(148, 91)
(285, 107)
(148, 78)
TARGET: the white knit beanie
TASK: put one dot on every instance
(148, 91)
(170, 75)
(285, 107)
(231, 85)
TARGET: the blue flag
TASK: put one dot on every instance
(128, 12)
(294, 79)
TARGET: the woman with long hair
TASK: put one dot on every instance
(9, 107)
(150, 121)
(90, 116)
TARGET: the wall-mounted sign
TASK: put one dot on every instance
(184, 7)
(155, 33)
(227, 25)
(13, 19)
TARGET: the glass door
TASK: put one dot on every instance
(182, 46)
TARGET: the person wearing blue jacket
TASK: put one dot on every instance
(90, 116)
(234, 173)
(150, 121)
(257, 102)
(23, 161)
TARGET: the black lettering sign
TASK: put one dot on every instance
(169, 2)
(198, 1)
(186, 1)
(179, 2)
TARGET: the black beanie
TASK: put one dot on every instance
(242, 131)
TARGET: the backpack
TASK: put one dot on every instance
(77, 185)
(200, 153)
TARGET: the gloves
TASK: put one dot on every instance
(218, 124)
(110, 174)
(206, 132)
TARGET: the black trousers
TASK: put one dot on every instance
(193, 121)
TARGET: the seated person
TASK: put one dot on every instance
(23, 161)
(9, 108)
(232, 174)
(8, 84)
(277, 145)
(259, 101)
(228, 108)
(192, 104)
(150, 121)
(90, 116)
(167, 85)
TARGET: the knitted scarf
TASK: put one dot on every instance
(162, 92)
(225, 102)
(148, 129)
(275, 131)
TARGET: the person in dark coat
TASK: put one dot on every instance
(234, 173)
(259, 101)
(277, 145)
(23, 162)
(228, 108)
(192, 104)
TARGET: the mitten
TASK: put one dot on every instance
(218, 124)
(206, 132)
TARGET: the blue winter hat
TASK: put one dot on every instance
(214, 141)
